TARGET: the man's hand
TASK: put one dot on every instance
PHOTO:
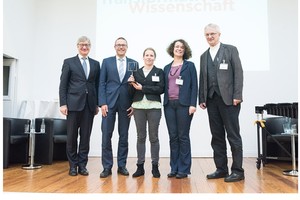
(236, 102)
(104, 110)
(130, 111)
(202, 105)
(97, 111)
(64, 109)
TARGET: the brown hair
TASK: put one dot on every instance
(187, 50)
(149, 48)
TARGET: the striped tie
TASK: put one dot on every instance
(84, 66)
(121, 69)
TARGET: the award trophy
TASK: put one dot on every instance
(132, 67)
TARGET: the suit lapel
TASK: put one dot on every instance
(141, 73)
(92, 68)
(127, 72)
(168, 68)
(113, 71)
(219, 58)
(205, 57)
(184, 66)
(78, 63)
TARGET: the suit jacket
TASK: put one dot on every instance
(230, 80)
(188, 91)
(150, 88)
(110, 87)
(75, 90)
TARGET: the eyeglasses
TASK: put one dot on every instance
(210, 34)
(120, 45)
(84, 45)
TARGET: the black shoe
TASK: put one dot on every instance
(139, 171)
(234, 177)
(123, 171)
(172, 174)
(217, 174)
(155, 171)
(105, 173)
(179, 176)
(83, 172)
(73, 171)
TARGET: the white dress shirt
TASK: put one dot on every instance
(214, 50)
(87, 64)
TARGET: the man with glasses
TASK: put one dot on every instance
(114, 98)
(78, 96)
(220, 91)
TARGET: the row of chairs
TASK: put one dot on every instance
(49, 146)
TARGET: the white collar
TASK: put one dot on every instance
(216, 47)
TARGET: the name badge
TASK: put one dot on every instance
(155, 78)
(224, 65)
(179, 81)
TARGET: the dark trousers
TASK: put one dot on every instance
(107, 127)
(79, 122)
(225, 119)
(178, 123)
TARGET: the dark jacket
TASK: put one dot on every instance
(111, 89)
(150, 88)
(75, 90)
(230, 80)
(187, 91)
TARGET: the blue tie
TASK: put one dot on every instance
(121, 69)
(84, 66)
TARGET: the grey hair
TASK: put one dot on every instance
(213, 26)
(83, 39)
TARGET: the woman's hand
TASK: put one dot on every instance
(131, 79)
(137, 86)
(192, 110)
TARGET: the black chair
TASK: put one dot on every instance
(277, 146)
(15, 141)
(51, 145)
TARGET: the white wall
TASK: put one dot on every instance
(41, 33)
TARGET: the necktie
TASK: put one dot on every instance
(121, 69)
(84, 66)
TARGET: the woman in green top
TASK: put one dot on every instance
(146, 85)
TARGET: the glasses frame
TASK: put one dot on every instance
(120, 45)
(210, 34)
(84, 45)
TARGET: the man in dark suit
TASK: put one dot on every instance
(114, 98)
(78, 95)
(220, 91)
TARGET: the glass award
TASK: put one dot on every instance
(132, 67)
